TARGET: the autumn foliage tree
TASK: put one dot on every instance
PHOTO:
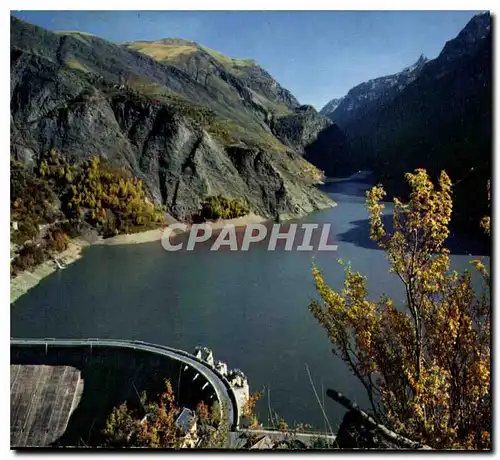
(110, 199)
(425, 363)
(152, 426)
(152, 423)
(249, 409)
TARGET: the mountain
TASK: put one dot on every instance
(330, 106)
(188, 121)
(221, 74)
(441, 119)
(298, 127)
(370, 95)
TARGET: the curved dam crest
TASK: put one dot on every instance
(131, 367)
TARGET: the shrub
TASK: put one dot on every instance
(219, 207)
(56, 170)
(56, 240)
(28, 257)
(152, 426)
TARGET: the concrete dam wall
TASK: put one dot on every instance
(116, 371)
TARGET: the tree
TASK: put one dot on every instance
(424, 364)
(153, 426)
(153, 423)
(249, 409)
(213, 430)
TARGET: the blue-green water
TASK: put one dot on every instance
(250, 307)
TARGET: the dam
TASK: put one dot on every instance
(63, 390)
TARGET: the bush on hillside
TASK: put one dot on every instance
(111, 200)
(219, 207)
(28, 257)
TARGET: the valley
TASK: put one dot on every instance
(112, 142)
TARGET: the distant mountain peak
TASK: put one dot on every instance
(331, 106)
(420, 62)
(372, 92)
(175, 41)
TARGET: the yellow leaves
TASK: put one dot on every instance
(248, 409)
(431, 359)
(43, 168)
(105, 193)
(485, 224)
(485, 221)
(282, 425)
(429, 211)
(480, 267)
(373, 198)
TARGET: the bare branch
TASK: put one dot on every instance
(348, 404)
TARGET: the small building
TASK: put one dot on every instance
(221, 367)
(205, 354)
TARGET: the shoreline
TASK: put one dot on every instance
(27, 280)
(156, 234)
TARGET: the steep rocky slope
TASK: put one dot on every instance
(330, 106)
(299, 127)
(322, 143)
(186, 136)
(440, 120)
(240, 79)
(443, 120)
(370, 95)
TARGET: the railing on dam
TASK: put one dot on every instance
(222, 386)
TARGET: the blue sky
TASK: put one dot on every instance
(316, 55)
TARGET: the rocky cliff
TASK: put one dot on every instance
(441, 119)
(189, 129)
(242, 82)
(321, 142)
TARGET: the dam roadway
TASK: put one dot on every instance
(219, 383)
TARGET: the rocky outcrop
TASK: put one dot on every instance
(300, 127)
(321, 142)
